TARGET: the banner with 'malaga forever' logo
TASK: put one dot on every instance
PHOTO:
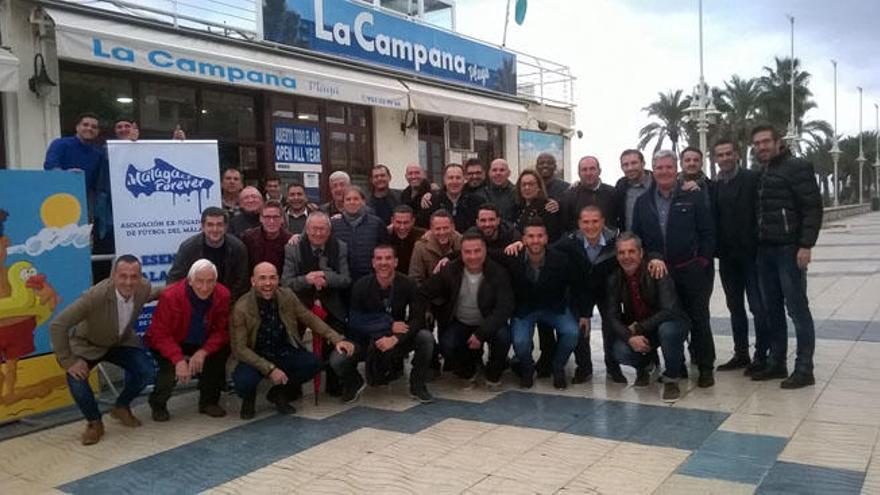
(159, 190)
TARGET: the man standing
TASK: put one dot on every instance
(439, 243)
(591, 249)
(272, 189)
(789, 219)
(692, 175)
(676, 227)
(453, 198)
(635, 182)
(250, 202)
(231, 185)
(417, 186)
(266, 341)
(543, 283)
(224, 250)
(545, 164)
(735, 198)
(189, 336)
(643, 312)
(81, 152)
(404, 235)
(590, 191)
(475, 175)
(387, 313)
(339, 182)
(472, 301)
(297, 209)
(382, 198)
(500, 191)
(267, 242)
(103, 319)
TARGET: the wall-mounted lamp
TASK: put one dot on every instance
(410, 121)
(40, 79)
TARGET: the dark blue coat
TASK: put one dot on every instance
(690, 229)
(361, 237)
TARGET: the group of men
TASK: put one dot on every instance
(483, 269)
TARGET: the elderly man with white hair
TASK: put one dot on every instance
(189, 337)
(339, 182)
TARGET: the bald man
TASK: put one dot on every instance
(265, 338)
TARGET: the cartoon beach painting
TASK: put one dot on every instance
(44, 264)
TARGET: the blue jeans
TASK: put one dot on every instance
(784, 287)
(523, 330)
(739, 276)
(670, 336)
(139, 371)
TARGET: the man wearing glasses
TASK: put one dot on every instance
(266, 242)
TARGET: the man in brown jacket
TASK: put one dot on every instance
(103, 319)
(437, 245)
(266, 342)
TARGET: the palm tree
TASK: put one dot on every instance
(669, 110)
(775, 86)
(740, 104)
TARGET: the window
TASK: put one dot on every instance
(460, 135)
(165, 106)
(227, 116)
(349, 144)
(488, 141)
(106, 96)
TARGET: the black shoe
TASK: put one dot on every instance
(527, 380)
(247, 408)
(770, 373)
(754, 367)
(421, 394)
(706, 379)
(559, 381)
(284, 408)
(798, 379)
(581, 376)
(160, 413)
(352, 392)
(212, 410)
(671, 392)
(684, 371)
(615, 375)
(738, 361)
(544, 368)
(293, 392)
(643, 377)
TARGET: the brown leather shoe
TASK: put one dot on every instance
(124, 415)
(94, 432)
(213, 410)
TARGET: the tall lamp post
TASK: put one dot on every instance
(791, 137)
(835, 148)
(877, 151)
(702, 109)
(861, 159)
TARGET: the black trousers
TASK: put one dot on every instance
(211, 379)
(420, 343)
(739, 278)
(693, 283)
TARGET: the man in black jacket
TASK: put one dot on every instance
(735, 197)
(676, 227)
(643, 312)
(471, 300)
(591, 251)
(590, 191)
(544, 284)
(635, 182)
(454, 199)
(380, 303)
(789, 219)
(218, 246)
(497, 232)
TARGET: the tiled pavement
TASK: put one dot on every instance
(738, 437)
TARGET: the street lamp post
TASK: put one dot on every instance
(702, 109)
(835, 148)
(861, 159)
(877, 150)
(791, 137)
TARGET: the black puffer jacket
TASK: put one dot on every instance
(789, 202)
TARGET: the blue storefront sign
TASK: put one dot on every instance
(297, 148)
(346, 29)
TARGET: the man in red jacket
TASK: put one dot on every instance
(189, 336)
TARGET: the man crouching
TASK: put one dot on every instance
(266, 342)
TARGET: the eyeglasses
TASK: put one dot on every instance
(272, 217)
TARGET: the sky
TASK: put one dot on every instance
(623, 52)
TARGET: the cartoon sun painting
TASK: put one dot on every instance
(27, 300)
